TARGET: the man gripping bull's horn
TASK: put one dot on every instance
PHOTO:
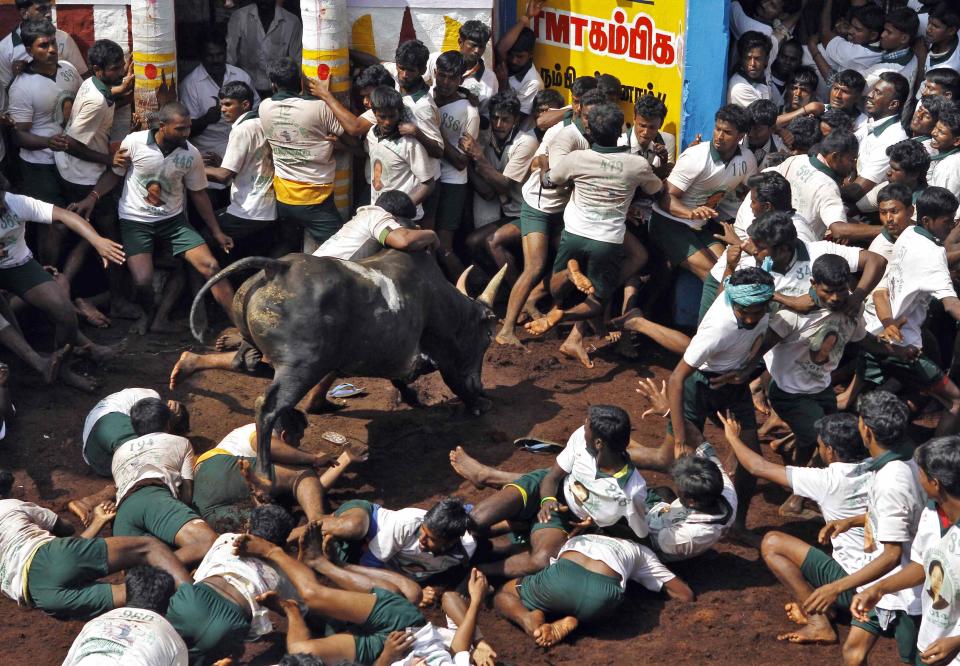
(353, 310)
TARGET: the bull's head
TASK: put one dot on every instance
(472, 365)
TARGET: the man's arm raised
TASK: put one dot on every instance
(752, 461)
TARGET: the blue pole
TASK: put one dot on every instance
(705, 66)
(506, 15)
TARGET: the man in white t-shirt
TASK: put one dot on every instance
(153, 473)
(137, 633)
(900, 29)
(941, 35)
(515, 48)
(858, 49)
(909, 164)
(585, 582)
(748, 82)
(159, 168)
(840, 491)
(945, 163)
(703, 188)
(477, 79)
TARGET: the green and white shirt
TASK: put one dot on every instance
(39, 99)
(17, 212)
(24, 527)
(458, 118)
(397, 163)
(248, 155)
(128, 636)
(937, 548)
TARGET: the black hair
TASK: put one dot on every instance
(837, 120)
(448, 519)
(850, 78)
(385, 99)
(475, 31)
(911, 156)
(885, 414)
(903, 19)
(840, 433)
(896, 192)
(149, 415)
(398, 204)
(549, 97)
(215, 38)
(698, 480)
(505, 101)
(609, 85)
(291, 419)
(841, 143)
(374, 76)
(300, 659)
(934, 203)
(284, 73)
(581, 85)
(830, 270)
(772, 188)
(606, 122)
(171, 111)
(806, 133)
(950, 117)
(939, 459)
(6, 482)
(751, 275)
(804, 76)
(34, 29)
(753, 39)
(935, 105)
(773, 228)
(901, 86)
(104, 53)
(869, 15)
(451, 62)
(412, 54)
(180, 420)
(592, 97)
(734, 114)
(793, 41)
(271, 522)
(526, 40)
(611, 424)
(762, 112)
(149, 588)
(26, 4)
(947, 13)
(650, 106)
(238, 90)
(945, 77)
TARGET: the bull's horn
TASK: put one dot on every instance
(490, 293)
(462, 280)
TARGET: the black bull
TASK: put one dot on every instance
(393, 315)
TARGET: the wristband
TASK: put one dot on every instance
(549, 499)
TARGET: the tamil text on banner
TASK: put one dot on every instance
(639, 43)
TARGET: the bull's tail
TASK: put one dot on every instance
(247, 264)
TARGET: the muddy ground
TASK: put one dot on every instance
(739, 609)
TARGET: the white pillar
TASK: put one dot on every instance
(326, 42)
(154, 54)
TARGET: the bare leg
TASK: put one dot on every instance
(857, 646)
(141, 268)
(194, 540)
(451, 264)
(701, 262)
(474, 471)
(317, 401)
(172, 289)
(668, 338)
(332, 649)
(83, 508)
(573, 347)
(745, 484)
(202, 260)
(126, 552)
(533, 622)
(545, 544)
(190, 363)
(534, 264)
(948, 395)
(330, 476)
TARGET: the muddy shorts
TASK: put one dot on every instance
(173, 233)
(678, 241)
(61, 578)
(700, 402)
(21, 279)
(320, 220)
(903, 628)
(452, 199)
(152, 511)
(820, 569)
(211, 625)
(801, 411)
(218, 486)
(566, 588)
(108, 433)
(41, 181)
(919, 375)
(536, 221)
(599, 261)
(391, 612)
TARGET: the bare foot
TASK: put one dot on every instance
(553, 632)
(793, 508)
(579, 280)
(124, 309)
(185, 367)
(51, 371)
(469, 468)
(167, 326)
(545, 323)
(89, 311)
(310, 543)
(576, 351)
(260, 488)
(785, 447)
(818, 631)
(760, 401)
(530, 311)
(78, 381)
(508, 338)
(620, 323)
(82, 509)
(795, 614)
(273, 601)
(102, 353)
(228, 342)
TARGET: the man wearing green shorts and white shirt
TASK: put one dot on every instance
(702, 187)
(107, 426)
(586, 581)
(154, 477)
(917, 274)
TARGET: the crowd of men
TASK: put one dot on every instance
(811, 240)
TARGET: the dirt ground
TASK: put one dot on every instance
(739, 607)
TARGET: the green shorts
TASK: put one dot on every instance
(23, 278)
(678, 241)
(174, 233)
(820, 569)
(919, 375)
(529, 487)
(453, 198)
(152, 510)
(218, 485)
(801, 411)
(61, 578)
(903, 628)
(321, 221)
(352, 551)
(41, 181)
(700, 402)
(599, 261)
(536, 221)
(238, 228)
(211, 625)
(391, 612)
(709, 294)
(566, 588)
(108, 433)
